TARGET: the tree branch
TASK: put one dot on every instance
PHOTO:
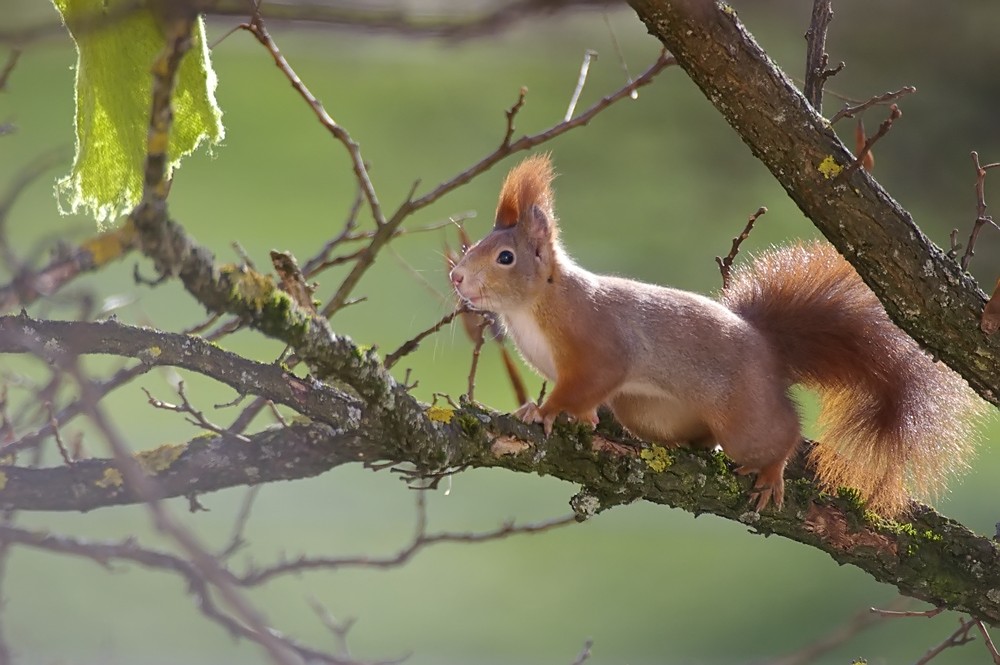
(931, 557)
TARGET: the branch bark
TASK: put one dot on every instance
(931, 557)
(941, 307)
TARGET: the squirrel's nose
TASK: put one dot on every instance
(456, 276)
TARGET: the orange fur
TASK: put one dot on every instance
(529, 183)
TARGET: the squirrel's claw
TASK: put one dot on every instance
(531, 413)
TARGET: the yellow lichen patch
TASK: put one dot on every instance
(508, 445)
(441, 414)
(151, 354)
(829, 167)
(249, 286)
(159, 459)
(3, 480)
(656, 458)
(109, 246)
(111, 478)
(7, 460)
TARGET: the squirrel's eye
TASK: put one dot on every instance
(505, 258)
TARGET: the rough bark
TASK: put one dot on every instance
(930, 557)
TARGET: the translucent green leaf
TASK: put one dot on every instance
(113, 87)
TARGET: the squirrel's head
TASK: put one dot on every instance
(512, 265)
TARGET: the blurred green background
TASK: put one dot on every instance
(652, 189)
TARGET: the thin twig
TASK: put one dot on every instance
(584, 654)
(588, 55)
(411, 345)
(476, 350)
(74, 409)
(196, 417)
(816, 57)
(12, 58)
(850, 111)
(810, 653)
(903, 614)
(982, 218)
(420, 541)
(54, 424)
(511, 114)
(956, 639)
(236, 540)
(726, 264)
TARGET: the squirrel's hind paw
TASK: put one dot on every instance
(769, 486)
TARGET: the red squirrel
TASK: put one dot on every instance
(677, 367)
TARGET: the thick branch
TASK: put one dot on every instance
(931, 558)
(942, 306)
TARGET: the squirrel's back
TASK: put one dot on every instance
(895, 422)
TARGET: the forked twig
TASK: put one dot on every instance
(982, 218)
(726, 264)
(411, 345)
(850, 111)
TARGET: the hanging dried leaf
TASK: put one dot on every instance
(990, 322)
(860, 138)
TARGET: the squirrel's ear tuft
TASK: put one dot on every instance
(528, 184)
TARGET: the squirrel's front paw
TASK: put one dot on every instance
(530, 413)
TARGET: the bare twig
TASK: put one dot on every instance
(339, 629)
(511, 114)
(810, 653)
(956, 639)
(588, 55)
(903, 614)
(411, 345)
(5, 72)
(883, 129)
(850, 111)
(726, 264)
(476, 350)
(982, 218)
(72, 410)
(816, 57)
(420, 541)
(994, 654)
(236, 540)
(54, 424)
(195, 417)
(584, 654)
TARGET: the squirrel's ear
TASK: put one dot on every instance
(528, 186)
(538, 224)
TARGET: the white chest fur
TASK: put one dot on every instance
(531, 342)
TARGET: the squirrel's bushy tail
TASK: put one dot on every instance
(895, 422)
